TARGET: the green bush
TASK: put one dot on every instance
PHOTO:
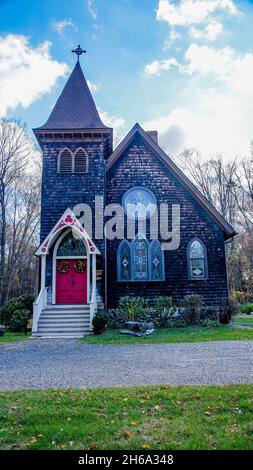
(208, 323)
(164, 309)
(19, 321)
(192, 305)
(99, 323)
(133, 308)
(24, 302)
(116, 318)
(228, 309)
(247, 308)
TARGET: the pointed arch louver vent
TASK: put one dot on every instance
(81, 162)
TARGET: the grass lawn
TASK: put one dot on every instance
(9, 337)
(243, 319)
(174, 335)
(160, 417)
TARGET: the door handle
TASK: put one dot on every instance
(73, 283)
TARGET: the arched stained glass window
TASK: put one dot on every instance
(156, 261)
(140, 259)
(124, 261)
(197, 260)
(71, 246)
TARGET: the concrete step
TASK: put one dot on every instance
(64, 317)
(69, 307)
(60, 335)
(70, 310)
(63, 327)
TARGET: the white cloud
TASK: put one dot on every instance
(210, 32)
(173, 36)
(219, 118)
(111, 121)
(26, 72)
(189, 12)
(157, 66)
(92, 8)
(214, 124)
(94, 87)
(60, 26)
(224, 65)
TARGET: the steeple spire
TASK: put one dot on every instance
(75, 108)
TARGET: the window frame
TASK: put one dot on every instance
(73, 158)
(190, 276)
(87, 161)
(131, 246)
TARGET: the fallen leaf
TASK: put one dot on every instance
(133, 423)
(93, 446)
(145, 446)
(127, 433)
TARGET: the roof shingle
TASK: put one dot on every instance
(75, 108)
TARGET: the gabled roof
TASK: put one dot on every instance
(228, 230)
(75, 108)
(68, 220)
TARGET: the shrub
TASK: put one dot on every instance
(24, 302)
(99, 323)
(164, 310)
(192, 308)
(247, 308)
(208, 323)
(228, 309)
(115, 318)
(210, 312)
(19, 320)
(133, 308)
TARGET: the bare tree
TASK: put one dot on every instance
(214, 177)
(19, 195)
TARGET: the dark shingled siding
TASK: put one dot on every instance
(137, 166)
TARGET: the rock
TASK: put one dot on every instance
(138, 328)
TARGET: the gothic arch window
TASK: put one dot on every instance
(156, 261)
(71, 246)
(80, 161)
(197, 260)
(65, 161)
(140, 260)
(124, 261)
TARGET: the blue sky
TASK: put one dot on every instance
(183, 67)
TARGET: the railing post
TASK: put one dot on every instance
(93, 304)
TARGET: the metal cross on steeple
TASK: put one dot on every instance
(79, 51)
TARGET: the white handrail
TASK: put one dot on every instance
(38, 306)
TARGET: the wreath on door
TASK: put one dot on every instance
(80, 266)
(63, 267)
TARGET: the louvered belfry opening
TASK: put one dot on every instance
(65, 161)
(81, 162)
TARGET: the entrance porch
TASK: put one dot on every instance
(67, 299)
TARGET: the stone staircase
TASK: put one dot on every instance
(63, 321)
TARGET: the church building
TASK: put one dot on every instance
(81, 269)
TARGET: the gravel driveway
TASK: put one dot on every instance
(65, 363)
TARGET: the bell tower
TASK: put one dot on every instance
(75, 145)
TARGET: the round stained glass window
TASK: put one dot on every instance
(139, 203)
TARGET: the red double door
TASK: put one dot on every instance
(71, 281)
